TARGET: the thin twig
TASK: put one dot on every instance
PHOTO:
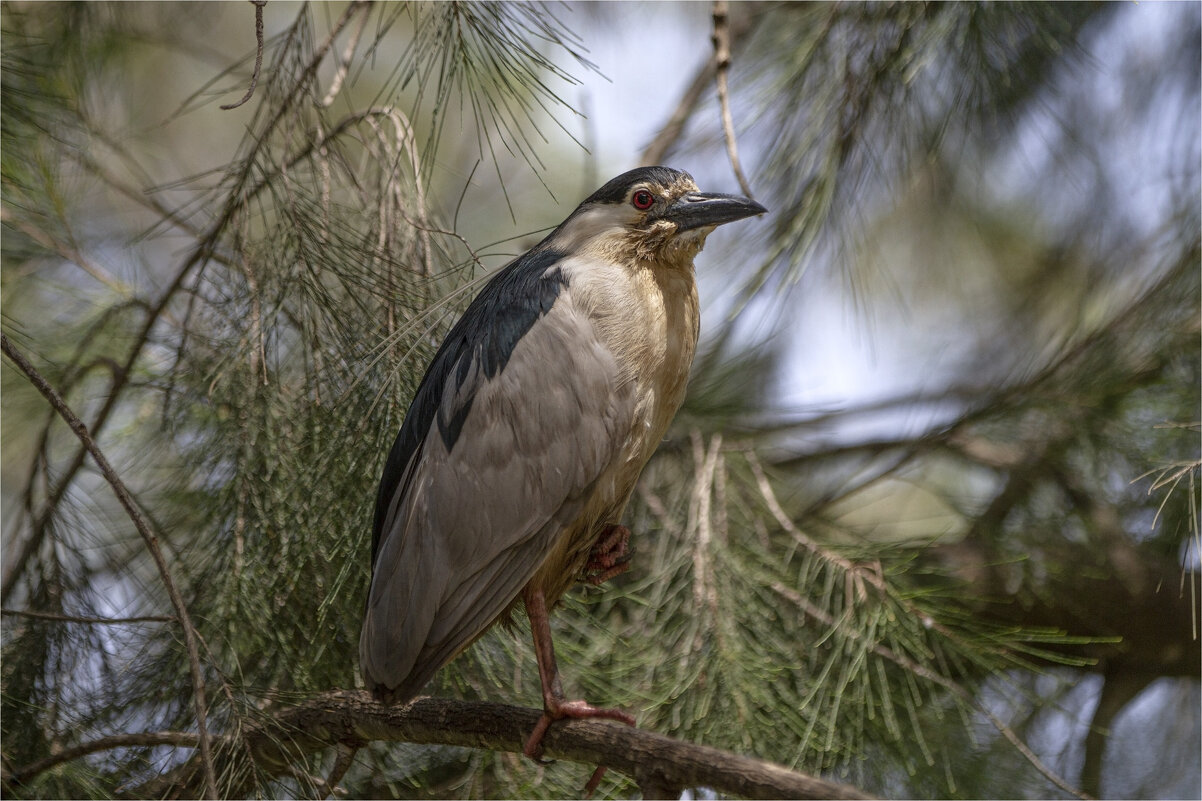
(721, 39)
(786, 522)
(700, 520)
(344, 63)
(255, 338)
(404, 139)
(143, 197)
(254, 78)
(143, 527)
(68, 252)
(99, 621)
(673, 129)
(662, 144)
(133, 740)
(655, 505)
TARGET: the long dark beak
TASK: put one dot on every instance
(699, 209)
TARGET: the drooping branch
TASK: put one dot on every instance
(350, 718)
(97, 621)
(721, 40)
(254, 78)
(735, 29)
(12, 780)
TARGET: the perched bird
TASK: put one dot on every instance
(524, 440)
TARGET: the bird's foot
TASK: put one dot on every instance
(572, 709)
(557, 710)
(610, 555)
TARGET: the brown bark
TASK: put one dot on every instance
(351, 718)
(1142, 610)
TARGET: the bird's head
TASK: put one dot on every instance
(655, 214)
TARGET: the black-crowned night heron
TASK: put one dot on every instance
(522, 446)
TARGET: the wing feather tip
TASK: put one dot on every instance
(383, 694)
(400, 693)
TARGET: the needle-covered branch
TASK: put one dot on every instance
(204, 249)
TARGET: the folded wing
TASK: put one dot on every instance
(522, 410)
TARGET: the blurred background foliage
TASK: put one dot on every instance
(935, 488)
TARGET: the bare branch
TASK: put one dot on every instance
(1118, 689)
(344, 63)
(788, 525)
(344, 757)
(673, 129)
(351, 718)
(254, 78)
(132, 740)
(143, 527)
(100, 621)
(655, 152)
(721, 40)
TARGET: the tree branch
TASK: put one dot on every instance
(655, 152)
(152, 544)
(254, 78)
(659, 148)
(1148, 631)
(721, 41)
(351, 718)
(98, 621)
(858, 577)
(132, 740)
(1119, 688)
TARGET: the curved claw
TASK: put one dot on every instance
(534, 743)
(619, 567)
(609, 556)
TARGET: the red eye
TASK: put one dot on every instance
(642, 200)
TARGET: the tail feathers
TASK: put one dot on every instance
(392, 672)
(402, 693)
(385, 695)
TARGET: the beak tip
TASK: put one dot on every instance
(712, 209)
(752, 208)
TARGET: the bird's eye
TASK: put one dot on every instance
(642, 200)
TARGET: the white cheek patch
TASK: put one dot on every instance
(591, 225)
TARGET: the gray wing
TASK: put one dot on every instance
(470, 524)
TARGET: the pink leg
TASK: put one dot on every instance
(555, 706)
(610, 555)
